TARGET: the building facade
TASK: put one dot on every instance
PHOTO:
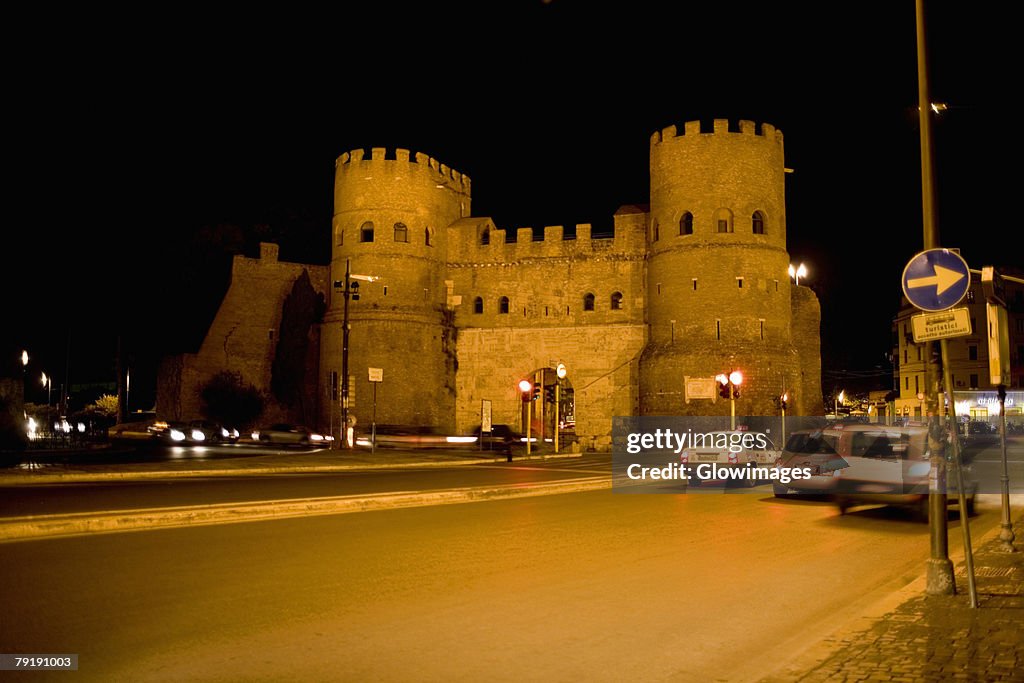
(460, 310)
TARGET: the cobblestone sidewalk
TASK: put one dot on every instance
(940, 638)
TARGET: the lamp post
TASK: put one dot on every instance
(840, 398)
(729, 388)
(797, 273)
(560, 373)
(48, 383)
(526, 393)
(783, 400)
(350, 290)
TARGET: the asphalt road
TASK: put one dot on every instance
(597, 586)
(40, 499)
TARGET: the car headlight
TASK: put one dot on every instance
(316, 437)
(255, 436)
(177, 435)
(197, 435)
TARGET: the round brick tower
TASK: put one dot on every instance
(718, 288)
(391, 215)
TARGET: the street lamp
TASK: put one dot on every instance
(840, 398)
(783, 402)
(560, 373)
(350, 290)
(526, 394)
(48, 383)
(797, 273)
(729, 388)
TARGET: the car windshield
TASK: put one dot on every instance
(815, 442)
(879, 445)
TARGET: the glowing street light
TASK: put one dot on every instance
(48, 383)
(840, 398)
(797, 273)
(24, 358)
(729, 388)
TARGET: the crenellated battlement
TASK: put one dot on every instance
(479, 241)
(718, 127)
(416, 162)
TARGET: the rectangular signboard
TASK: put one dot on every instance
(956, 322)
(376, 374)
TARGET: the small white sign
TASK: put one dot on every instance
(956, 322)
(376, 374)
(700, 387)
(485, 417)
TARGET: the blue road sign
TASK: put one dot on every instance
(936, 279)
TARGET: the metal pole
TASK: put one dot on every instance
(344, 360)
(558, 426)
(783, 444)
(529, 419)
(940, 568)
(1006, 531)
(732, 407)
(954, 435)
(373, 424)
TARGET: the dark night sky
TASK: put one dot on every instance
(129, 149)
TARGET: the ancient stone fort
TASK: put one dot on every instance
(692, 285)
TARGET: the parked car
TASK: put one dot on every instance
(290, 434)
(727, 450)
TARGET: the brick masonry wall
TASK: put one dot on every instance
(242, 338)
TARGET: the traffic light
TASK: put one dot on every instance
(354, 287)
(784, 400)
(723, 389)
(524, 390)
(549, 393)
(536, 390)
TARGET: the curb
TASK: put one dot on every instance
(43, 477)
(75, 524)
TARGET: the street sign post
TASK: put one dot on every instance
(936, 279)
(376, 376)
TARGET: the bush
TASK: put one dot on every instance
(228, 400)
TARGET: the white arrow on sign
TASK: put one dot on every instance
(943, 279)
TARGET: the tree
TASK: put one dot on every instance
(105, 405)
(229, 400)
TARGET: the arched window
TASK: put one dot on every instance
(758, 222)
(401, 232)
(485, 237)
(723, 220)
(478, 305)
(588, 302)
(366, 232)
(686, 224)
(340, 236)
(616, 301)
(503, 305)
(655, 233)
(428, 236)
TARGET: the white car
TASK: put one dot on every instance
(729, 450)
